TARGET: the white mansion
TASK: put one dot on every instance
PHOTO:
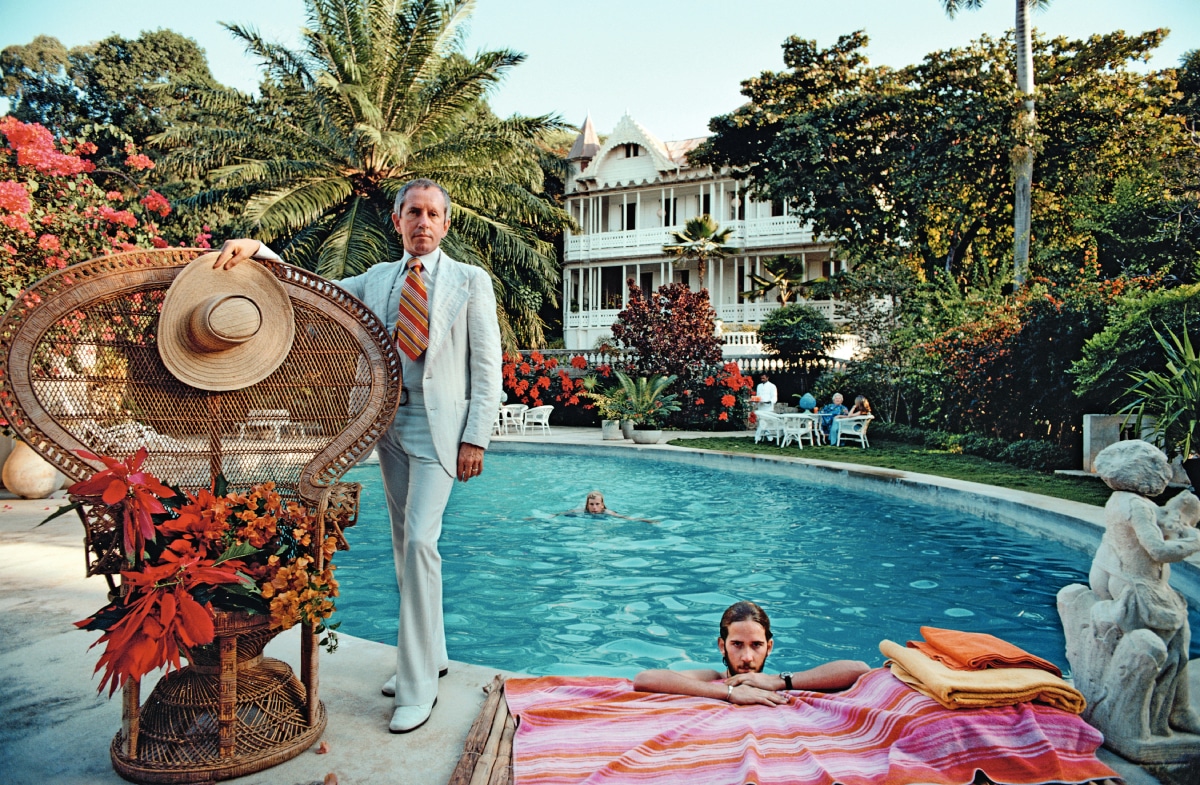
(628, 194)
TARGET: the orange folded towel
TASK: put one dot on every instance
(973, 651)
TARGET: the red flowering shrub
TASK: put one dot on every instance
(1008, 373)
(673, 332)
(538, 380)
(53, 214)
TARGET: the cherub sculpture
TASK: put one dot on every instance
(1127, 633)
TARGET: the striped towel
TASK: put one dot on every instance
(598, 730)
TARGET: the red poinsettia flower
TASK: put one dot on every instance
(137, 492)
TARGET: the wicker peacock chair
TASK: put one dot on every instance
(80, 370)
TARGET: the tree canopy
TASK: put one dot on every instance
(381, 94)
(916, 161)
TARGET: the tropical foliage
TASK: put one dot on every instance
(1171, 396)
(784, 274)
(379, 95)
(701, 241)
(647, 402)
(672, 333)
(1025, 127)
(798, 332)
(915, 163)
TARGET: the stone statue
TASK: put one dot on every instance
(1127, 634)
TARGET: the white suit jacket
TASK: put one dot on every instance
(462, 364)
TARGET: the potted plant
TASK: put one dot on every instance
(611, 404)
(1166, 404)
(647, 403)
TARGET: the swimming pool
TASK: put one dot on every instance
(529, 590)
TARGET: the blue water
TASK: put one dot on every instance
(529, 590)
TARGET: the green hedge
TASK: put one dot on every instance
(1026, 453)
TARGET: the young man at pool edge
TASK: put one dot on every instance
(744, 643)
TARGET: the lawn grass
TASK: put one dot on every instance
(912, 458)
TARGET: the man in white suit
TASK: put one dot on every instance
(448, 403)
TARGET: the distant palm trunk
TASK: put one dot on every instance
(1023, 153)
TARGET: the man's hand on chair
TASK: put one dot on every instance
(233, 252)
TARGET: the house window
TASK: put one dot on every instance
(632, 150)
(776, 209)
(706, 204)
(685, 278)
(630, 216)
(741, 282)
(831, 267)
(610, 288)
(647, 283)
(669, 212)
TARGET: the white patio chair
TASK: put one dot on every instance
(539, 417)
(798, 428)
(513, 414)
(770, 426)
(855, 429)
(267, 420)
(498, 423)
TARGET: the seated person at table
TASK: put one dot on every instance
(744, 643)
(831, 410)
(766, 395)
(860, 408)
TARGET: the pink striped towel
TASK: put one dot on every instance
(879, 732)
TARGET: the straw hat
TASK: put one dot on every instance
(224, 329)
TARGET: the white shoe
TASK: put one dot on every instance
(389, 686)
(409, 718)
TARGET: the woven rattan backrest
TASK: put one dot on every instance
(80, 370)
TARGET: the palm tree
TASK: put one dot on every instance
(1026, 128)
(783, 273)
(380, 94)
(700, 240)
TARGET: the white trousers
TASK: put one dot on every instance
(417, 489)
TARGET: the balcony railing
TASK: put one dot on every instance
(780, 230)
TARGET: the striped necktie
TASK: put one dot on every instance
(412, 326)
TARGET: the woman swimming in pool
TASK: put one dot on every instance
(594, 505)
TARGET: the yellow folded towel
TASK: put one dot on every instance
(976, 689)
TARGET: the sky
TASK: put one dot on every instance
(671, 64)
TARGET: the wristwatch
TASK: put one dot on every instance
(787, 679)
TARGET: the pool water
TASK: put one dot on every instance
(530, 590)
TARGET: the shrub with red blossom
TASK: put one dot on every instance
(536, 380)
(52, 213)
(673, 332)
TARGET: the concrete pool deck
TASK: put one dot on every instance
(58, 730)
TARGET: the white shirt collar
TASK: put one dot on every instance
(429, 263)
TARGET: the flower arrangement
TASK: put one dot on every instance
(188, 556)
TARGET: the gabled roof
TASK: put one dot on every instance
(628, 131)
(586, 144)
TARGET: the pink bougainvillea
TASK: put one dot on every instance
(46, 184)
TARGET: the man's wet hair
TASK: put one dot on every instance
(744, 611)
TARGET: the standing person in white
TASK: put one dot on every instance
(451, 393)
(767, 395)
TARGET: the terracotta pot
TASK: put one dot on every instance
(29, 475)
(610, 430)
(647, 437)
